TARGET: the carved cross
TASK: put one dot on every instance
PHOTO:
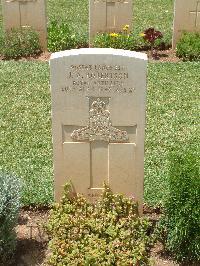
(100, 134)
(99, 126)
(196, 14)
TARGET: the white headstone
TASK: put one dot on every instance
(186, 18)
(26, 13)
(98, 119)
(110, 16)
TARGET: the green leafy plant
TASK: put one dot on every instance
(128, 41)
(122, 40)
(9, 209)
(180, 225)
(61, 37)
(109, 232)
(114, 40)
(20, 42)
(188, 47)
(150, 35)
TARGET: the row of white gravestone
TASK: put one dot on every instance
(105, 16)
(26, 13)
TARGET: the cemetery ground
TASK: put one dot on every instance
(32, 241)
(25, 100)
(25, 128)
(26, 144)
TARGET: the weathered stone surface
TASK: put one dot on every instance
(98, 119)
(26, 13)
(186, 17)
(110, 16)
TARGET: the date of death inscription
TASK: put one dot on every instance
(86, 79)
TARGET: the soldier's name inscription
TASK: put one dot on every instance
(98, 78)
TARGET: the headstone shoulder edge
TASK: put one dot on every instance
(99, 51)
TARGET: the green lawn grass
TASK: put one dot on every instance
(155, 13)
(25, 124)
(25, 127)
(172, 120)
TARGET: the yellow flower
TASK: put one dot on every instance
(126, 27)
(113, 34)
(142, 34)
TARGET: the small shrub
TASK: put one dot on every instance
(180, 225)
(60, 37)
(106, 233)
(9, 208)
(20, 42)
(188, 47)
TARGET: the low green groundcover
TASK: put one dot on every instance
(109, 232)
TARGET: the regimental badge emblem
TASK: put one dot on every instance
(99, 126)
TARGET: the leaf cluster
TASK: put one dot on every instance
(20, 42)
(188, 47)
(151, 35)
(61, 37)
(109, 232)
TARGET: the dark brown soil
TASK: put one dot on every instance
(32, 241)
(164, 56)
(45, 56)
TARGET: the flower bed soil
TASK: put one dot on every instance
(32, 241)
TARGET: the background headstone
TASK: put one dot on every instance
(186, 17)
(98, 119)
(26, 13)
(110, 16)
